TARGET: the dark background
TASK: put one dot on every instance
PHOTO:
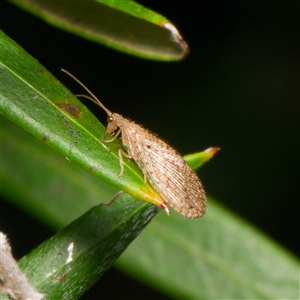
(238, 89)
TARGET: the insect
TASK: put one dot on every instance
(161, 165)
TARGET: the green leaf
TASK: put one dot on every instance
(45, 183)
(67, 264)
(122, 25)
(33, 99)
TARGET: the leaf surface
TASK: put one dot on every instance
(33, 99)
(123, 25)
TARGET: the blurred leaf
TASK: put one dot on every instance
(218, 256)
(123, 25)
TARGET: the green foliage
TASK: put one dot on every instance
(217, 256)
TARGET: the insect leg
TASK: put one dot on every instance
(113, 198)
(113, 138)
(121, 154)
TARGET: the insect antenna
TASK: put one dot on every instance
(87, 97)
(93, 98)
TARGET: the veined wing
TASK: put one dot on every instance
(165, 169)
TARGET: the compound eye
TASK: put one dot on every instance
(110, 119)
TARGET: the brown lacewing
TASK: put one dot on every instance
(161, 165)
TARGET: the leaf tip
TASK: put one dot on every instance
(211, 151)
(176, 37)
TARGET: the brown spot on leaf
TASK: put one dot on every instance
(70, 108)
(45, 137)
(63, 278)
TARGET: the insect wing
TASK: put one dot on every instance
(165, 169)
(176, 182)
